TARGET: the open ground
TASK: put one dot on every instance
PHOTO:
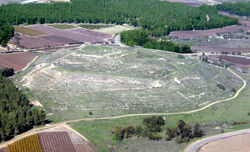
(109, 81)
(214, 120)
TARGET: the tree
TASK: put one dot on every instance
(138, 130)
(119, 133)
(154, 123)
(197, 131)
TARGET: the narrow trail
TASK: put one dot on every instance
(35, 130)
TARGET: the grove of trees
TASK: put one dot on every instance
(156, 17)
(239, 8)
(142, 38)
(16, 113)
(153, 126)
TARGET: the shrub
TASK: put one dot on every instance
(221, 86)
(119, 133)
(154, 123)
(197, 131)
(138, 130)
(7, 72)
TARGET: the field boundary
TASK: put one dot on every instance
(130, 115)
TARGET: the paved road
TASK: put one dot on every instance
(198, 144)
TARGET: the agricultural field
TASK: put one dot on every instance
(234, 59)
(214, 120)
(54, 139)
(55, 37)
(27, 144)
(237, 143)
(28, 31)
(63, 26)
(203, 33)
(108, 81)
(95, 26)
(17, 61)
(115, 29)
(217, 41)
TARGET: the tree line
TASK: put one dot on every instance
(6, 32)
(142, 38)
(16, 113)
(157, 17)
(239, 8)
(153, 126)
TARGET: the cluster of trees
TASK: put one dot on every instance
(7, 72)
(184, 132)
(153, 126)
(158, 17)
(6, 32)
(143, 38)
(239, 8)
(16, 114)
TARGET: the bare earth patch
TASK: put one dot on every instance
(36, 103)
(239, 143)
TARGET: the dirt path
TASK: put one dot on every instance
(30, 132)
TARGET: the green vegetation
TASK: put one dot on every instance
(100, 132)
(6, 32)
(239, 8)
(28, 31)
(110, 81)
(16, 114)
(142, 38)
(7, 72)
(63, 26)
(153, 127)
(94, 26)
(158, 17)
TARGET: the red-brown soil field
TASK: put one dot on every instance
(219, 49)
(239, 143)
(57, 37)
(233, 59)
(202, 33)
(56, 142)
(17, 61)
(3, 150)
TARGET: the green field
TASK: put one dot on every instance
(95, 26)
(110, 81)
(63, 26)
(220, 116)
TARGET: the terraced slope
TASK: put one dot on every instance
(109, 81)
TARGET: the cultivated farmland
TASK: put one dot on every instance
(27, 144)
(110, 81)
(234, 59)
(55, 37)
(201, 33)
(29, 31)
(17, 61)
(239, 143)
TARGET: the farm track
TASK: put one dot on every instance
(35, 130)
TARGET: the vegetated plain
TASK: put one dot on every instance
(63, 26)
(214, 120)
(109, 81)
